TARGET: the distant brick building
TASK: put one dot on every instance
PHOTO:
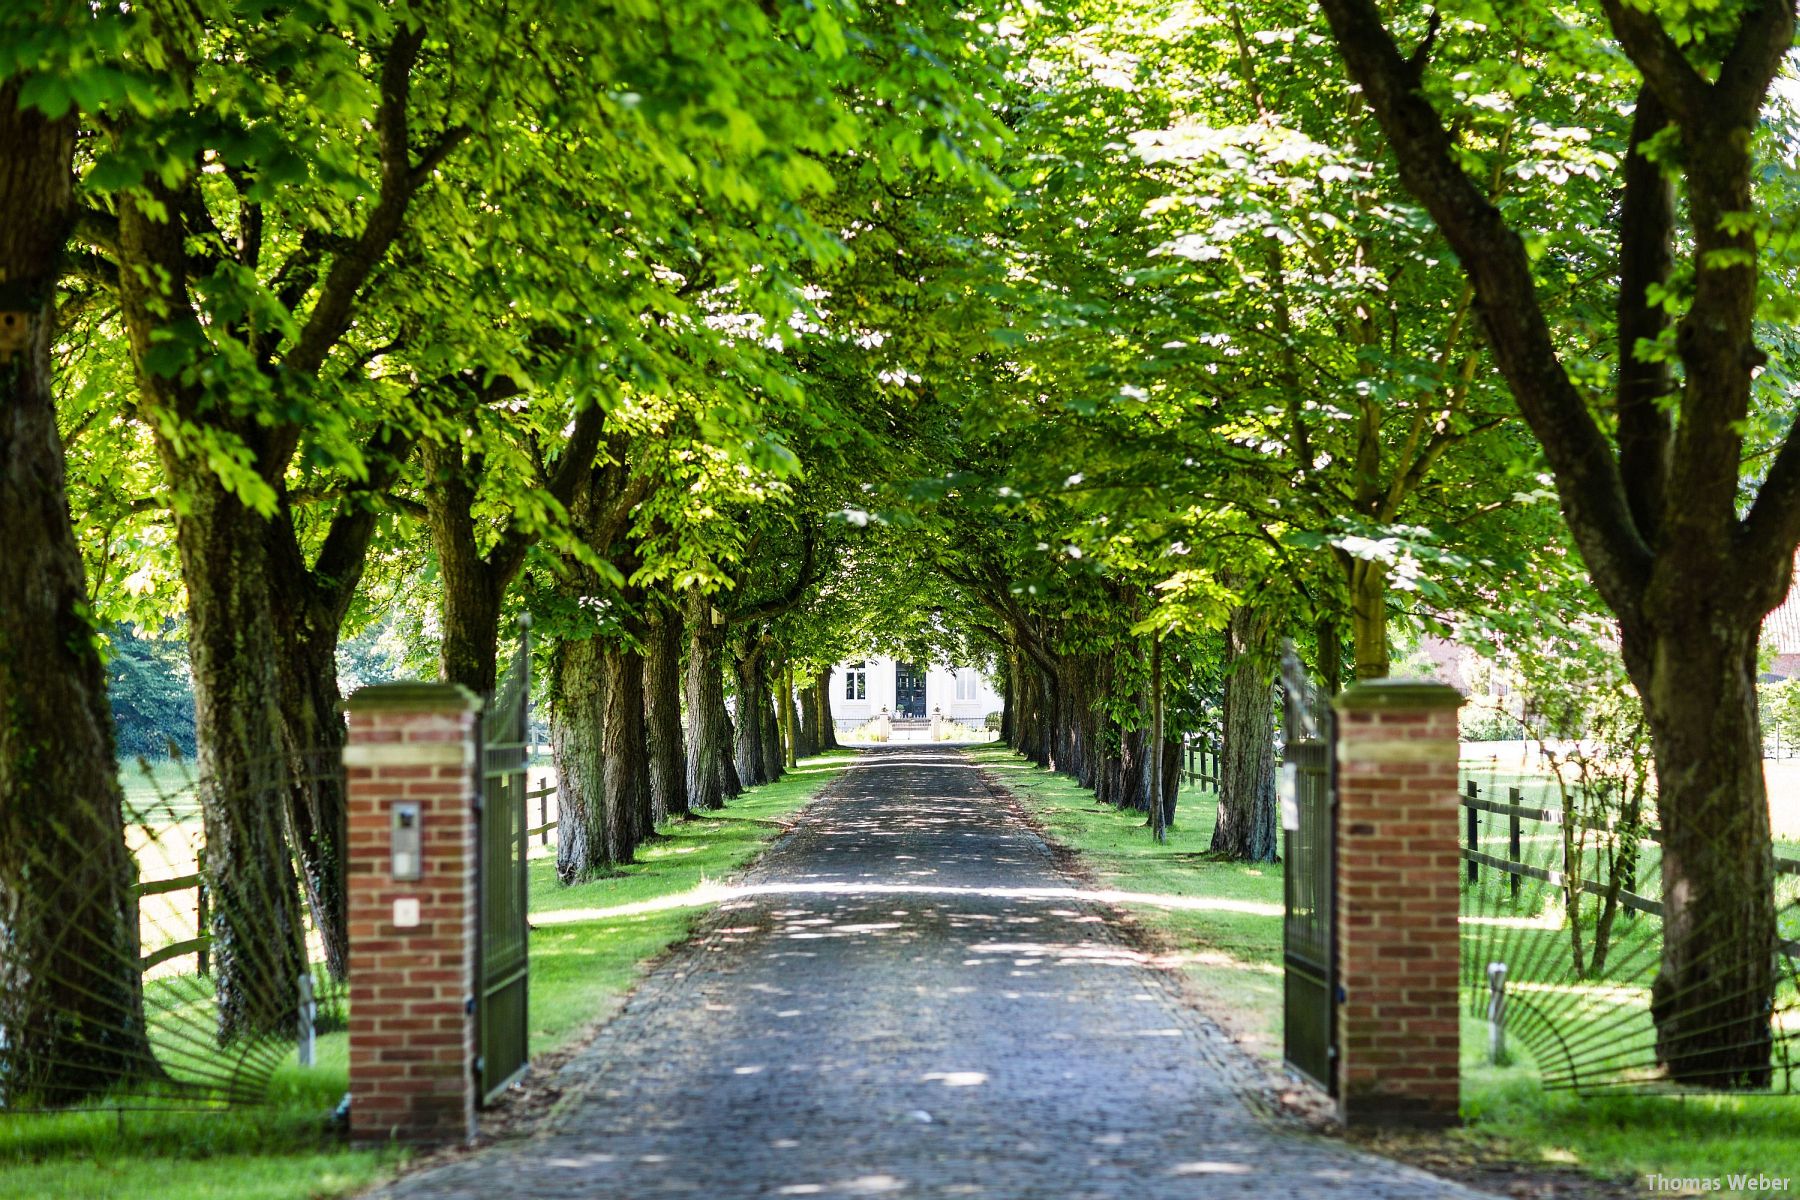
(1782, 629)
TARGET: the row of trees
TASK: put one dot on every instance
(1110, 345)
(1302, 319)
(325, 316)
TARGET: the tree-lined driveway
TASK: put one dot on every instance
(907, 999)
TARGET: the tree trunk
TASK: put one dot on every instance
(1331, 657)
(752, 710)
(309, 603)
(784, 717)
(1247, 824)
(1368, 618)
(314, 733)
(711, 774)
(1009, 701)
(774, 758)
(1159, 762)
(1084, 720)
(827, 723)
(576, 745)
(1710, 1000)
(627, 766)
(469, 647)
(1134, 780)
(469, 651)
(662, 715)
(71, 999)
(1171, 779)
(1034, 725)
(809, 742)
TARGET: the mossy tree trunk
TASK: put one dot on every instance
(71, 999)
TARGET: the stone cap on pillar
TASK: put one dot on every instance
(1392, 695)
(414, 695)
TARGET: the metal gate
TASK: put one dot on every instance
(1308, 789)
(502, 1034)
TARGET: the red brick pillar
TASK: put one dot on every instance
(411, 765)
(1398, 896)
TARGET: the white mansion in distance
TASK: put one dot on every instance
(861, 690)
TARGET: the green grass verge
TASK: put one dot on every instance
(1234, 957)
(589, 944)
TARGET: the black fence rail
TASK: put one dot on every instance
(1517, 813)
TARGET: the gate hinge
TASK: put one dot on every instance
(469, 1006)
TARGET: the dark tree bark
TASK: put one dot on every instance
(810, 740)
(474, 583)
(1085, 691)
(626, 791)
(751, 711)
(773, 758)
(71, 1000)
(1171, 779)
(787, 728)
(1134, 774)
(1248, 822)
(1009, 697)
(712, 775)
(597, 676)
(578, 695)
(821, 689)
(1331, 657)
(1656, 515)
(313, 734)
(309, 604)
(662, 713)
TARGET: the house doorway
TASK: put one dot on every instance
(909, 690)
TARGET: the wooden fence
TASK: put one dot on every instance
(1517, 812)
(1200, 761)
(200, 945)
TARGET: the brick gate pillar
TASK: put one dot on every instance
(410, 763)
(1398, 870)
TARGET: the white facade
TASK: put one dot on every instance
(865, 689)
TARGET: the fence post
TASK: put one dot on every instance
(202, 918)
(1515, 844)
(544, 816)
(1474, 819)
(1399, 894)
(412, 863)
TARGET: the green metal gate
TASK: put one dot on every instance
(1308, 790)
(502, 1033)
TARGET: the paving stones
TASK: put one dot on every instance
(908, 999)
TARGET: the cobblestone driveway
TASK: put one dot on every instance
(897, 1007)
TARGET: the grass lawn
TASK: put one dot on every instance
(588, 945)
(1224, 919)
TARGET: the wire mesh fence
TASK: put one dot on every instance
(186, 993)
(1564, 943)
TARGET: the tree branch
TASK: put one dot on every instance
(1587, 475)
(1682, 89)
(1646, 258)
(399, 179)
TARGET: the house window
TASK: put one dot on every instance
(965, 684)
(856, 682)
